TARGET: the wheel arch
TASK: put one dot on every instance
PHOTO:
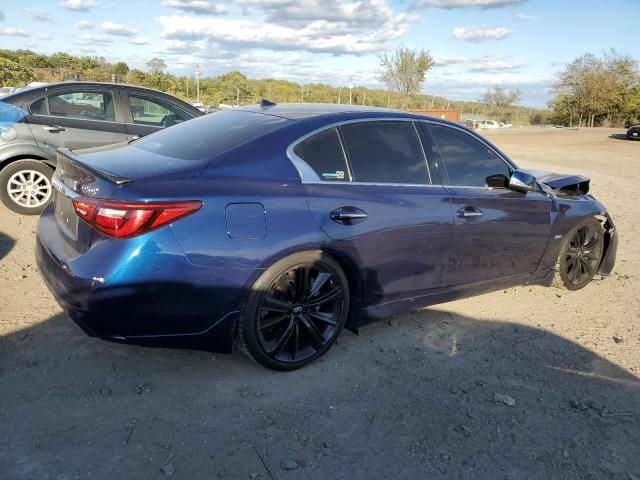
(349, 266)
(27, 156)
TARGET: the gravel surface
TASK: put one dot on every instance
(531, 382)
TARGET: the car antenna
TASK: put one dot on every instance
(264, 103)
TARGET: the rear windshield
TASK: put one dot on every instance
(207, 137)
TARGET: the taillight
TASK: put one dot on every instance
(130, 219)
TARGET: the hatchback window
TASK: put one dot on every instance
(468, 161)
(83, 105)
(385, 152)
(323, 153)
(156, 113)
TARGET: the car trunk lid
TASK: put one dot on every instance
(98, 173)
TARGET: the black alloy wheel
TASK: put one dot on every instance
(297, 311)
(581, 255)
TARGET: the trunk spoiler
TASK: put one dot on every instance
(70, 157)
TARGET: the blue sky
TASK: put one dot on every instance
(477, 43)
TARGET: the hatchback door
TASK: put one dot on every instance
(497, 233)
(371, 190)
(76, 118)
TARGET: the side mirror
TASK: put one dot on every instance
(522, 182)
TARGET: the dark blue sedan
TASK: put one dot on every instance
(276, 226)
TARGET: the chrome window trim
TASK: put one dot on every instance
(309, 176)
(86, 119)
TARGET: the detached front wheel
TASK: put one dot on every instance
(580, 255)
(25, 186)
(295, 311)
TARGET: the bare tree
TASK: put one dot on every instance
(156, 65)
(404, 70)
(500, 99)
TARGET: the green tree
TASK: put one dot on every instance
(121, 69)
(14, 74)
(404, 70)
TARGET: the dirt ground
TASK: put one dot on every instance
(412, 397)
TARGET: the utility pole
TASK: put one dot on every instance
(433, 97)
(339, 94)
(301, 92)
(188, 77)
(364, 96)
(350, 88)
(197, 75)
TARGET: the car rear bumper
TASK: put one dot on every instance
(198, 310)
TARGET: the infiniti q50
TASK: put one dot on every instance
(274, 227)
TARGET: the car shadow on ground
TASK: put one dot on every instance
(6, 244)
(428, 395)
(619, 136)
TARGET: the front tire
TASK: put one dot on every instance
(580, 255)
(25, 186)
(295, 311)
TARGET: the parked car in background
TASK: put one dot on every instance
(73, 115)
(276, 226)
(487, 124)
(634, 132)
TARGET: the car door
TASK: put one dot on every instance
(497, 233)
(371, 190)
(77, 117)
(147, 113)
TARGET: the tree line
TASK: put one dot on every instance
(19, 67)
(597, 91)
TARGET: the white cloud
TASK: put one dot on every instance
(197, 6)
(79, 5)
(38, 15)
(89, 39)
(524, 18)
(84, 25)
(485, 64)
(46, 36)
(479, 33)
(118, 29)
(451, 4)
(140, 41)
(349, 35)
(13, 32)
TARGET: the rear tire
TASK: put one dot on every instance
(295, 311)
(25, 186)
(580, 255)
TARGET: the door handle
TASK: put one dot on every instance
(469, 213)
(53, 128)
(348, 215)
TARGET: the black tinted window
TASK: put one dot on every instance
(211, 135)
(324, 154)
(39, 107)
(467, 160)
(147, 111)
(83, 105)
(385, 152)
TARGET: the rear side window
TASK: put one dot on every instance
(83, 105)
(156, 113)
(385, 152)
(211, 135)
(324, 155)
(39, 107)
(468, 161)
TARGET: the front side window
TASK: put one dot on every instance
(385, 152)
(157, 113)
(468, 161)
(83, 105)
(323, 153)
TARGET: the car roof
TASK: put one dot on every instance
(300, 111)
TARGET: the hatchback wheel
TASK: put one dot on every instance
(25, 186)
(294, 312)
(580, 256)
